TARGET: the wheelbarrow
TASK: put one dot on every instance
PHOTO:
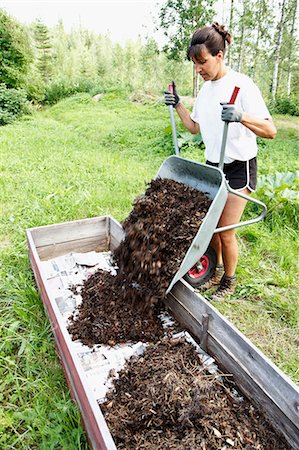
(211, 180)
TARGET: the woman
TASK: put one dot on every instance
(248, 117)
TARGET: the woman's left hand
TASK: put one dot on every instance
(230, 113)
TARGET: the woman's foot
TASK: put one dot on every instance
(226, 288)
(214, 280)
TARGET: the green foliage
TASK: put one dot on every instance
(187, 140)
(277, 186)
(281, 193)
(34, 86)
(13, 104)
(44, 50)
(59, 89)
(179, 19)
(285, 105)
(15, 51)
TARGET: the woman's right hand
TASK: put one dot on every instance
(171, 99)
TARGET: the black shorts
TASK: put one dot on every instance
(240, 174)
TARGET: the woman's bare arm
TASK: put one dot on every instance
(184, 115)
(264, 128)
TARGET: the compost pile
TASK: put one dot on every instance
(166, 400)
(158, 233)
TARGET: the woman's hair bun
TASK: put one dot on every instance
(221, 30)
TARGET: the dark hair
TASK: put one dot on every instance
(214, 38)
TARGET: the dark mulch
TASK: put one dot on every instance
(166, 400)
(159, 231)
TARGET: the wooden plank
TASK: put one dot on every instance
(96, 243)
(256, 394)
(116, 233)
(93, 419)
(252, 367)
(184, 317)
(69, 231)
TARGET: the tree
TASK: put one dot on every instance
(149, 62)
(288, 54)
(15, 51)
(179, 19)
(262, 15)
(44, 50)
(280, 27)
(231, 19)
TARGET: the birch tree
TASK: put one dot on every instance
(292, 45)
(231, 29)
(262, 35)
(280, 27)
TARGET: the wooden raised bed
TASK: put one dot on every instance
(256, 376)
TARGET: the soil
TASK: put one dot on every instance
(165, 399)
(158, 233)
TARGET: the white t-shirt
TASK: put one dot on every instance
(241, 142)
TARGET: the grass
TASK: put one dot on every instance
(81, 159)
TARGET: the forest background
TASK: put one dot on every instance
(39, 65)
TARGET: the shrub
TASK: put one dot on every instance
(35, 87)
(285, 105)
(16, 53)
(62, 88)
(13, 103)
(80, 98)
(281, 193)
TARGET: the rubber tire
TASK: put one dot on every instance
(209, 258)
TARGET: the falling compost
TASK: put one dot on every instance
(158, 232)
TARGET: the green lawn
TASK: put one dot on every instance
(81, 159)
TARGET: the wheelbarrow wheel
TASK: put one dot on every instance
(203, 270)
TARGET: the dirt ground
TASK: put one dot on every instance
(165, 399)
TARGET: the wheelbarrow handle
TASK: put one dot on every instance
(245, 222)
(225, 129)
(173, 126)
(233, 191)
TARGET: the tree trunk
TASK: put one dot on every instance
(231, 16)
(240, 56)
(195, 82)
(223, 10)
(257, 41)
(289, 83)
(290, 56)
(277, 50)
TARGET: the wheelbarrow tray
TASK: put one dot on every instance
(255, 375)
(209, 180)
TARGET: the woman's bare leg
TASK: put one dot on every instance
(216, 244)
(232, 213)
